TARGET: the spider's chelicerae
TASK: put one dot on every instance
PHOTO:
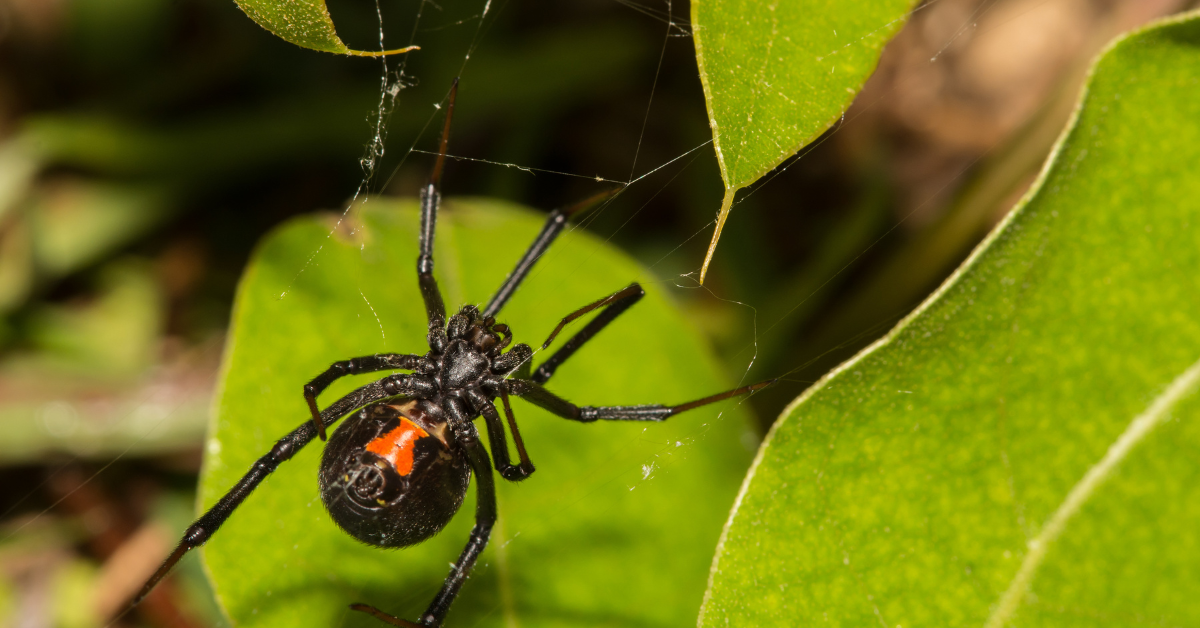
(398, 469)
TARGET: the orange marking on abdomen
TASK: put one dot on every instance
(397, 445)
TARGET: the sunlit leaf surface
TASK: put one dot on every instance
(617, 525)
(305, 23)
(1022, 450)
(777, 74)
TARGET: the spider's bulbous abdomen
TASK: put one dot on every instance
(389, 477)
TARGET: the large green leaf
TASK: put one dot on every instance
(778, 74)
(1022, 450)
(305, 23)
(617, 525)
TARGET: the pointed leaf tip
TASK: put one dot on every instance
(305, 23)
(776, 77)
(726, 205)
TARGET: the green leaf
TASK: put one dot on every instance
(305, 23)
(617, 525)
(779, 74)
(1022, 449)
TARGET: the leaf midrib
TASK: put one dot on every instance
(1142, 425)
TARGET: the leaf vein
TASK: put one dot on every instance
(1183, 385)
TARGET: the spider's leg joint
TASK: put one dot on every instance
(425, 264)
(283, 450)
(458, 325)
(437, 339)
(196, 535)
(518, 472)
(508, 362)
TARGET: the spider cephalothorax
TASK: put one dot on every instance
(469, 358)
(397, 469)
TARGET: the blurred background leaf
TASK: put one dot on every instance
(147, 145)
(942, 477)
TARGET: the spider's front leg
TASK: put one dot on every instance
(431, 198)
(555, 223)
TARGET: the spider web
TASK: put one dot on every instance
(394, 81)
(644, 172)
(628, 472)
(658, 177)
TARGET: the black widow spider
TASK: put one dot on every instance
(397, 470)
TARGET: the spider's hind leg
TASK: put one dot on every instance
(204, 527)
(485, 518)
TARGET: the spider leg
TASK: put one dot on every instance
(554, 226)
(517, 440)
(382, 616)
(353, 366)
(431, 197)
(537, 395)
(615, 304)
(485, 518)
(499, 444)
(208, 523)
